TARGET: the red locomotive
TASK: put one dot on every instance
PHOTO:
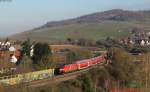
(78, 65)
(68, 68)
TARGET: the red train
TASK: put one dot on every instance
(78, 65)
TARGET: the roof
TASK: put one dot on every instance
(82, 61)
(12, 48)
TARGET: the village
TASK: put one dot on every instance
(138, 37)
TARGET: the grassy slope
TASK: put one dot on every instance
(94, 31)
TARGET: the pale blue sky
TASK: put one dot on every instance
(22, 15)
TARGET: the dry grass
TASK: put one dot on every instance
(57, 48)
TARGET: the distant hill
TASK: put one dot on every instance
(116, 15)
(114, 23)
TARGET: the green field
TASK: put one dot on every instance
(92, 31)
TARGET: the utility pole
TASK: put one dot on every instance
(95, 85)
(146, 71)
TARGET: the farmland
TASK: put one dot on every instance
(76, 31)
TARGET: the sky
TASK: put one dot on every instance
(22, 15)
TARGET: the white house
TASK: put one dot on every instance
(13, 59)
(12, 48)
(142, 43)
(147, 43)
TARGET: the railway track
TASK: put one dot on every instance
(44, 77)
(59, 78)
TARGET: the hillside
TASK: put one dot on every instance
(114, 23)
